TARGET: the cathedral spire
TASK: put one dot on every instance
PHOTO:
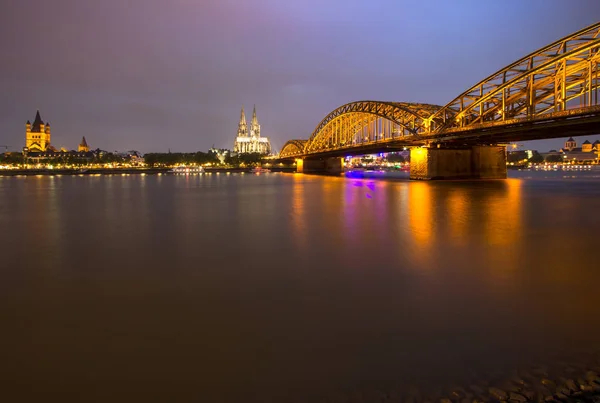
(242, 126)
(243, 117)
(254, 126)
(254, 118)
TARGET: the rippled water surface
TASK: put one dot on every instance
(283, 287)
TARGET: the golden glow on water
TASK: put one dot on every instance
(421, 220)
(338, 218)
(502, 242)
(298, 211)
(458, 207)
(503, 220)
(52, 217)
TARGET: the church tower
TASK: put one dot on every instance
(254, 126)
(37, 136)
(83, 146)
(242, 126)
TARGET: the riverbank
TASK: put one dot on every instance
(124, 171)
(571, 382)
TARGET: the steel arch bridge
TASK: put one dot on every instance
(552, 92)
(292, 148)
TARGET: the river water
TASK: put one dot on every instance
(289, 287)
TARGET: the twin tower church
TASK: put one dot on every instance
(249, 141)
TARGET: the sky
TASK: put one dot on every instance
(154, 75)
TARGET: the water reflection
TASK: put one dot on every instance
(381, 197)
(459, 211)
(298, 213)
(351, 197)
(290, 286)
(421, 218)
(503, 219)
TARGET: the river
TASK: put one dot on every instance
(292, 288)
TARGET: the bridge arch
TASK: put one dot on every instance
(559, 77)
(369, 121)
(292, 148)
(555, 84)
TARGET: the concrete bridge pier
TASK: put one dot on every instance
(471, 162)
(334, 165)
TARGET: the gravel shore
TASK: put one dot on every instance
(577, 381)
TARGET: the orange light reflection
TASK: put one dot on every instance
(503, 223)
(298, 212)
(458, 216)
(420, 213)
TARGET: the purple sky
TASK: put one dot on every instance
(155, 74)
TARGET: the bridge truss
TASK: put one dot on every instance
(362, 122)
(559, 81)
(292, 148)
(556, 78)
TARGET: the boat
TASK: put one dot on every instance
(186, 170)
(259, 170)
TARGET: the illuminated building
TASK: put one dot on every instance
(570, 144)
(586, 146)
(250, 142)
(588, 152)
(83, 146)
(37, 136)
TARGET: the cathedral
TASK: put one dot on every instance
(250, 142)
(37, 136)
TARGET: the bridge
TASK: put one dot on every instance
(552, 92)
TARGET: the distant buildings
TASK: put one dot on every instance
(588, 152)
(250, 142)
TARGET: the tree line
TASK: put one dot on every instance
(168, 159)
(201, 158)
(536, 158)
(91, 157)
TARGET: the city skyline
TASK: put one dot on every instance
(155, 75)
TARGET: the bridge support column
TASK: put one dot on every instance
(333, 165)
(475, 162)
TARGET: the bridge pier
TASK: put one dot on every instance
(474, 162)
(333, 165)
